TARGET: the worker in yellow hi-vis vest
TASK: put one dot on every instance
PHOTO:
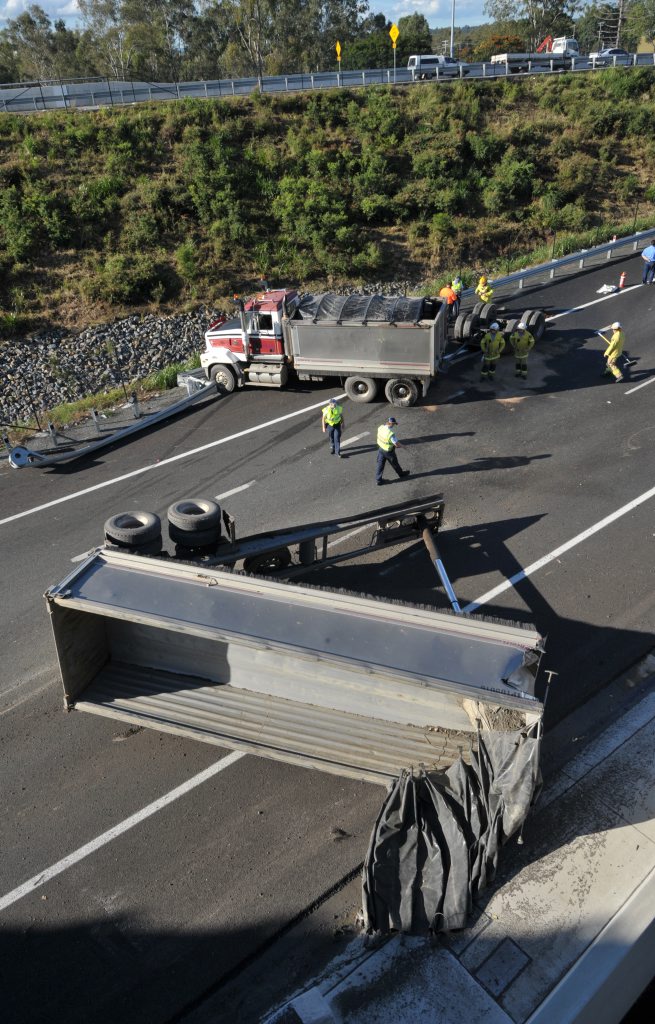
(614, 351)
(492, 345)
(522, 341)
(484, 291)
(333, 424)
(387, 444)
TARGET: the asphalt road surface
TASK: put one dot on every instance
(549, 488)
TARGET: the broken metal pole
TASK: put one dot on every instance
(428, 540)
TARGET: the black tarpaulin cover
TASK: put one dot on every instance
(437, 839)
(365, 308)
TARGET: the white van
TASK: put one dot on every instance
(427, 66)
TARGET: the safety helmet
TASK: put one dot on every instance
(392, 419)
(616, 325)
(522, 326)
(495, 326)
(483, 280)
(332, 401)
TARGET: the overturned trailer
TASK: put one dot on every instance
(343, 682)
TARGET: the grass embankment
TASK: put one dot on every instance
(166, 206)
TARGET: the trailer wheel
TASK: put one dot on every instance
(194, 514)
(510, 327)
(194, 538)
(537, 324)
(526, 316)
(133, 529)
(477, 309)
(270, 561)
(401, 391)
(223, 378)
(459, 326)
(361, 389)
(489, 311)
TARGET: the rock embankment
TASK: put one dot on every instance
(56, 366)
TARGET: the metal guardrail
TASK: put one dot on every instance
(567, 266)
(67, 94)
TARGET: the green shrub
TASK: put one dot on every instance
(122, 278)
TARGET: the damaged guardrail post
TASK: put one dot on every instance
(428, 540)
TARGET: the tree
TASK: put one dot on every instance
(541, 17)
(640, 21)
(415, 37)
(108, 36)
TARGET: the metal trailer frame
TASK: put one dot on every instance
(344, 683)
(21, 457)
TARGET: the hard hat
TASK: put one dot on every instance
(616, 325)
(392, 419)
(483, 280)
(522, 326)
(495, 326)
(332, 401)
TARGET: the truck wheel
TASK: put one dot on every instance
(527, 315)
(223, 378)
(361, 389)
(459, 326)
(537, 324)
(194, 538)
(477, 309)
(194, 514)
(510, 327)
(133, 529)
(259, 565)
(401, 391)
(488, 313)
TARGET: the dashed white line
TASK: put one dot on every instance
(539, 564)
(644, 384)
(118, 830)
(357, 437)
(165, 462)
(235, 490)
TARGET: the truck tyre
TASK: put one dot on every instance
(526, 317)
(510, 327)
(223, 378)
(537, 324)
(270, 561)
(133, 529)
(459, 326)
(361, 389)
(488, 313)
(468, 329)
(194, 514)
(194, 538)
(477, 309)
(401, 391)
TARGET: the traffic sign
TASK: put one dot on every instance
(394, 33)
(338, 49)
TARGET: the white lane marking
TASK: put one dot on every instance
(539, 564)
(85, 554)
(118, 830)
(594, 302)
(165, 462)
(344, 536)
(456, 395)
(235, 490)
(357, 437)
(642, 385)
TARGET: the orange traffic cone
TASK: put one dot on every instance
(622, 279)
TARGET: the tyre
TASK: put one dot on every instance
(194, 538)
(401, 391)
(537, 324)
(223, 378)
(459, 325)
(477, 309)
(526, 317)
(361, 389)
(469, 328)
(133, 529)
(510, 327)
(260, 565)
(489, 311)
(194, 514)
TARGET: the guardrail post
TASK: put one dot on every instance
(581, 263)
(609, 254)
(134, 402)
(521, 284)
(94, 417)
(312, 79)
(52, 430)
(363, 78)
(484, 70)
(111, 98)
(206, 93)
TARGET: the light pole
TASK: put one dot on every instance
(452, 29)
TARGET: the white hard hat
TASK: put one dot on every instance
(616, 325)
(495, 326)
(522, 326)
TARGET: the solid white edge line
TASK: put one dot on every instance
(235, 490)
(541, 562)
(118, 830)
(165, 462)
(642, 385)
(594, 302)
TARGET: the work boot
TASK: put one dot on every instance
(618, 380)
(379, 482)
(404, 472)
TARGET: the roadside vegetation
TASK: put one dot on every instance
(172, 205)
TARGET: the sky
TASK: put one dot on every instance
(437, 12)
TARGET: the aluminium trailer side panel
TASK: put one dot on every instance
(354, 686)
(373, 349)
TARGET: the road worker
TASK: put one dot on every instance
(522, 342)
(484, 291)
(387, 444)
(449, 295)
(492, 345)
(614, 350)
(457, 285)
(333, 423)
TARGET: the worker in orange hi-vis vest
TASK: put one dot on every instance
(449, 295)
